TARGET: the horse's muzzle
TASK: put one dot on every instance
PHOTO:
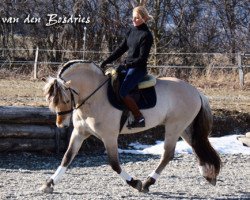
(62, 126)
(62, 121)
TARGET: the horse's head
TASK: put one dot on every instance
(59, 96)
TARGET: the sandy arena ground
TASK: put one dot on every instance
(90, 177)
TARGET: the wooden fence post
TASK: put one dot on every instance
(240, 68)
(35, 64)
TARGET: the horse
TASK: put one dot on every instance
(80, 92)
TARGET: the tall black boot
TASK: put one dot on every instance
(139, 120)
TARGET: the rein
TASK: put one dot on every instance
(73, 105)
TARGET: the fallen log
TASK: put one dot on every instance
(30, 115)
(18, 144)
(31, 131)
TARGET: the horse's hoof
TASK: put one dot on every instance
(145, 186)
(145, 190)
(137, 184)
(46, 189)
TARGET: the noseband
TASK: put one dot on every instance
(72, 99)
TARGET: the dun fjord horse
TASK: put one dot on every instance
(80, 88)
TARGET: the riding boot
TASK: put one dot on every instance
(139, 120)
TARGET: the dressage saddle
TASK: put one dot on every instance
(144, 94)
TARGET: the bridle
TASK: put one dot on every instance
(72, 99)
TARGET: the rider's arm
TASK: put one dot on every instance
(120, 50)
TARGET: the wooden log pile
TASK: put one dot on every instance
(30, 129)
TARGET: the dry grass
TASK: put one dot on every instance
(18, 92)
(224, 90)
(221, 87)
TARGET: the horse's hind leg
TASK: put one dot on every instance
(168, 154)
(111, 146)
(74, 145)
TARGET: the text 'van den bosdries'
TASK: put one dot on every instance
(54, 19)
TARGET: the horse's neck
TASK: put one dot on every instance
(85, 81)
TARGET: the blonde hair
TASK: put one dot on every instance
(143, 12)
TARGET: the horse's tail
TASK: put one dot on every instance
(202, 127)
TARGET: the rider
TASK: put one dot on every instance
(137, 42)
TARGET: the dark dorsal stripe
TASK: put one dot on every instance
(68, 65)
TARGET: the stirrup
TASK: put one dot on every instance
(137, 123)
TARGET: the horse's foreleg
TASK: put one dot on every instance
(168, 154)
(74, 145)
(112, 151)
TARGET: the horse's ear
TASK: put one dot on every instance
(143, 2)
(133, 3)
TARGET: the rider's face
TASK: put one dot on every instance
(137, 19)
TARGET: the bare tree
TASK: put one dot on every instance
(178, 26)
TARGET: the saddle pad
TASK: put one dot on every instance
(148, 81)
(145, 98)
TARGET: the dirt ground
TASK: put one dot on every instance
(90, 177)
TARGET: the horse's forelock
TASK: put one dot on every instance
(55, 92)
(50, 89)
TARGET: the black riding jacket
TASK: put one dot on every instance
(137, 42)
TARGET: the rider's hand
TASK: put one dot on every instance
(111, 71)
(120, 68)
(129, 65)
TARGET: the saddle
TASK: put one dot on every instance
(144, 94)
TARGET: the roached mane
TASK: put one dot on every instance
(67, 66)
